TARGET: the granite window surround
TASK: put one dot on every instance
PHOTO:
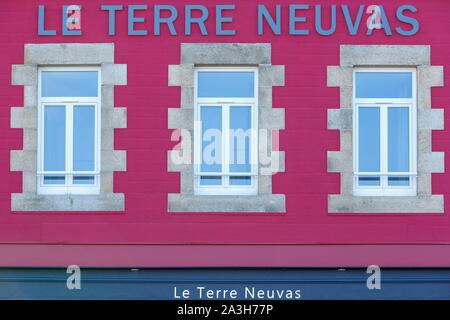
(25, 117)
(428, 119)
(182, 119)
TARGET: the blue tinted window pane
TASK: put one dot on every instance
(384, 85)
(84, 138)
(369, 139)
(210, 181)
(85, 180)
(69, 83)
(398, 139)
(398, 181)
(240, 181)
(369, 181)
(55, 179)
(55, 138)
(240, 134)
(211, 118)
(226, 84)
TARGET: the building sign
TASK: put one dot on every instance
(269, 20)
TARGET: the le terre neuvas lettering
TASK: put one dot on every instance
(140, 22)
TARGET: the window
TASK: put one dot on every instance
(69, 131)
(226, 131)
(385, 132)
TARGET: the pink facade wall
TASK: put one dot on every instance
(147, 96)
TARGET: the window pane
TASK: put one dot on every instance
(226, 84)
(55, 138)
(398, 139)
(84, 138)
(211, 118)
(69, 83)
(240, 181)
(55, 179)
(369, 139)
(398, 181)
(210, 181)
(83, 180)
(384, 85)
(369, 181)
(240, 134)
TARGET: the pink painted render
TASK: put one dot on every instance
(145, 234)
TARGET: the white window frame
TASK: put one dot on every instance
(69, 102)
(384, 104)
(226, 103)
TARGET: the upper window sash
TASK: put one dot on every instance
(239, 91)
(404, 78)
(69, 84)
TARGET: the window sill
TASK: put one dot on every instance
(36, 202)
(195, 203)
(388, 192)
(353, 204)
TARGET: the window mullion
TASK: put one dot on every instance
(41, 146)
(198, 136)
(225, 143)
(69, 144)
(384, 144)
